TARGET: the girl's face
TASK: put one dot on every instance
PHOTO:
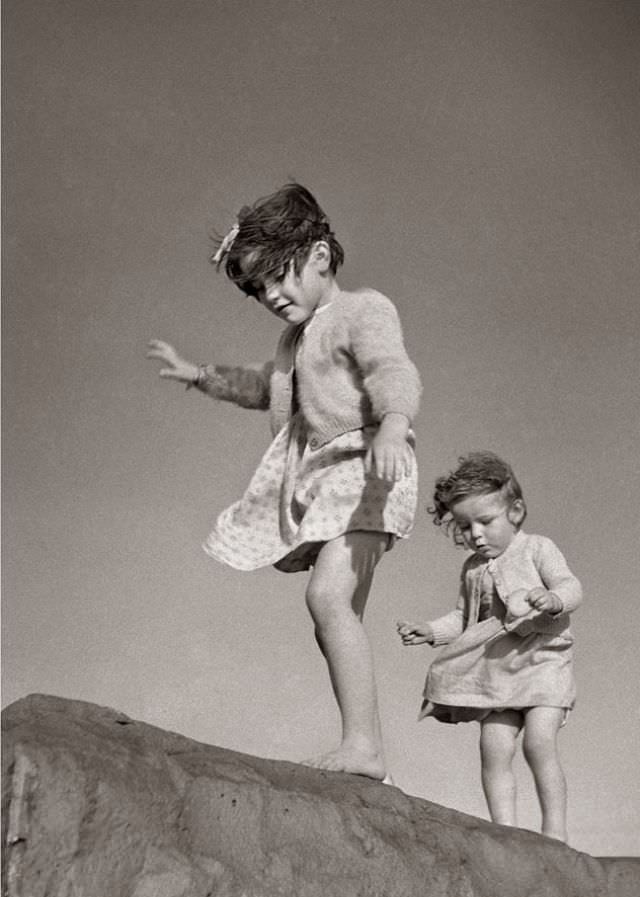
(487, 523)
(294, 297)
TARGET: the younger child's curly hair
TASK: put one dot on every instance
(478, 473)
(274, 231)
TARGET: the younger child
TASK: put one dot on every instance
(338, 484)
(508, 660)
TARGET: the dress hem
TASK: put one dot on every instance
(303, 548)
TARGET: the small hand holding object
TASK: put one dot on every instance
(389, 457)
(525, 606)
(177, 368)
(544, 601)
(414, 633)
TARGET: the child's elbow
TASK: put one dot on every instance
(579, 593)
(574, 594)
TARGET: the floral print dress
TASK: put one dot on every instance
(300, 498)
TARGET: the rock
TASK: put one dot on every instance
(96, 804)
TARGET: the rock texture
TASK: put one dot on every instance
(98, 805)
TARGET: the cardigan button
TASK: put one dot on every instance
(314, 442)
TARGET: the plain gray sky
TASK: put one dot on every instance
(479, 162)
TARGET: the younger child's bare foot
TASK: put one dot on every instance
(351, 760)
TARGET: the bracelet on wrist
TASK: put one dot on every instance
(199, 378)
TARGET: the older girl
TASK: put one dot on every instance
(338, 484)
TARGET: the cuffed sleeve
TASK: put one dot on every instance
(247, 386)
(447, 628)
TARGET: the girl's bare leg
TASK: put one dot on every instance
(497, 749)
(540, 746)
(336, 597)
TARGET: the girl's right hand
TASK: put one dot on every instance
(177, 368)
(415, 633)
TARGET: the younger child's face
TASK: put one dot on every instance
(487, 523)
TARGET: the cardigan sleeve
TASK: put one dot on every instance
(556, 575)
(249, 387)
(390, 379)
(448, 627)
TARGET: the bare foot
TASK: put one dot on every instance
(351, 760)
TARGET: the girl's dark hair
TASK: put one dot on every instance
(274, 231)
(478, 473)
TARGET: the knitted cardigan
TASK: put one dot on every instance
(351, 368)
(528, 562)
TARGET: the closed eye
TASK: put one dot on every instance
(278, 277)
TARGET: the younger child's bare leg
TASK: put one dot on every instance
(497, 749)
(336, 598)
(540, 747)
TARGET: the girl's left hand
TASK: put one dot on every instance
(175, 367)
(389, 457)
(414, 633)
(543, 600)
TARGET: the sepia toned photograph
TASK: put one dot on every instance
(321, 415)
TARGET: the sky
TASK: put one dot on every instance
(478, 160)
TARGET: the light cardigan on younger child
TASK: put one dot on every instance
(504, 661)
(529, 562)
(352, 369)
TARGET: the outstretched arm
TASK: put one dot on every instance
(245, 386)
(442, 630)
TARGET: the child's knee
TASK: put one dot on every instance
(496, 751)
(321, 603)
(538, 746)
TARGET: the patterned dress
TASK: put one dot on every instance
(300, 498)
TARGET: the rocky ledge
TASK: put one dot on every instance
(96, 804)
